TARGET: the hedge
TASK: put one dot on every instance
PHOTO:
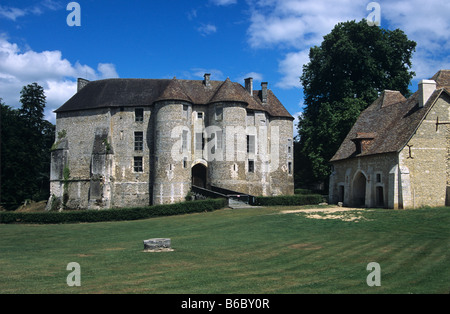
(296, 199)
(302, 191)
(112, 214)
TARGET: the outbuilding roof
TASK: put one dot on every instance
(391, 120)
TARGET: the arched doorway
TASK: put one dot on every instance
(199, 175)
(359, 190)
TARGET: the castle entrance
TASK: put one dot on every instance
(199, 175)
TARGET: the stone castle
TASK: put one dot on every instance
(397, 153)
(137, 142)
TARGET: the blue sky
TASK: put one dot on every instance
(266, 39)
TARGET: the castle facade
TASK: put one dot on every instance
(137, 142)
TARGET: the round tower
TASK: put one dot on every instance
(171, 155)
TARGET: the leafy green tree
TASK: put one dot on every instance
(25, 156)
(9, 125)
(344, 75)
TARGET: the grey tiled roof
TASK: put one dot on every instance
(144, 92)
(391, 120)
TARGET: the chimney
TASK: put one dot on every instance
(426, 88)
(264, 92)
(249, 85)
(81, 82)
(206, 79)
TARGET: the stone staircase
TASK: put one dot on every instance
(235, 199)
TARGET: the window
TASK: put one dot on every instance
(219, 139)
(219, 112)
(138, 114)
(290, 167)
(289, 146)
(200, 115)
(251, 165)
(184, 140)
(378, 177)
(138, 164)
(199, 141)
(185, 162)
(185, 111)
(138, 140)
(250, 144)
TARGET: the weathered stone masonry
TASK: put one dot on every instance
(134, 142)
(397, 153)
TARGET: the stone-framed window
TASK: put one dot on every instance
(138, 141)
(219, 139)
(250, 144)
(289, 146)
(289, 167)
(251, 165)
(219, 112)
(184, 140)
(139, 114)
(199, 141)
(185, 111)
(378, 177)
(138, 165)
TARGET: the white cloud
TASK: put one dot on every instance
(257, 77)
(11, 13)
(223, 2)
(216, 75)
(298, 23)
(426, 23)
(291, 67)
(207, 29)
(293, 26)
(47, 68)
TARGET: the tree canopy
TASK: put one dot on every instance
(26, 139)
(345, 74)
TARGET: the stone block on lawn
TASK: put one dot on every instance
(157, 245)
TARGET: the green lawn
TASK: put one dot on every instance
(256, 250)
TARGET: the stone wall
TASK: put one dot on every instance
(371, 178)
(101, 149)
(415, 177)
(424, 160)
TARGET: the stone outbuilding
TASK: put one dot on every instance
(135, 142)
(397, 153)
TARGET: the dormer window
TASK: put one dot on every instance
(363, 141)
(139, 114)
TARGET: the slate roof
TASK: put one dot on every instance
(391, 120)
(145, 92)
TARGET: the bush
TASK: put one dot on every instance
(296, 199)
(112, 214)
(302, 191)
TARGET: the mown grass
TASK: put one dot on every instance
(256, 250)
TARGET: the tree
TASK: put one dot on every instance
(10, 143)
(25, 156)
(345, 74)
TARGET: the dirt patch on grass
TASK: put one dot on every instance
(340, 213)
(305, 246)
(115, 249)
